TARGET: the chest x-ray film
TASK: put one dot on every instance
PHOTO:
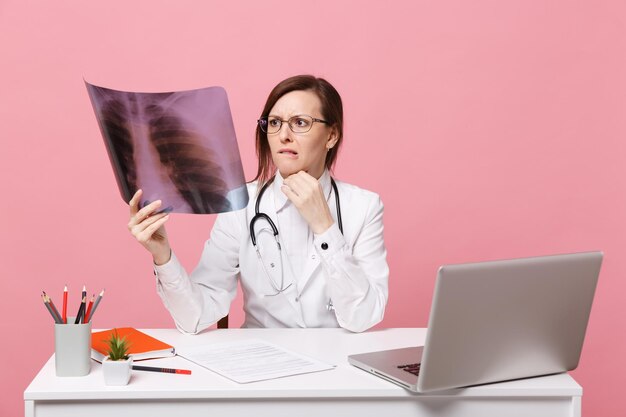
(179, 147)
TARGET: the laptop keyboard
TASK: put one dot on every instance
(412, 368)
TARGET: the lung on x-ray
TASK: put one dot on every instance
(179, 147)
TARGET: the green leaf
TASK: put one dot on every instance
(117, 347)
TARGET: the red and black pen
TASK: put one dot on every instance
(166, 370)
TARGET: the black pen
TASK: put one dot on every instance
(81, 310)
(84, 294)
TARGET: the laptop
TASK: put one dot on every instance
(497, 321)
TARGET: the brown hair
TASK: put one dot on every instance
(332, 112)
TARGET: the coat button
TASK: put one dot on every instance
(324, 245)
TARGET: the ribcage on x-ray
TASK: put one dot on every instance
(190, 166)
(115, 117)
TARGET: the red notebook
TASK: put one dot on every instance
(141, 345)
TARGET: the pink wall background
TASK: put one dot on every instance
(491, 130)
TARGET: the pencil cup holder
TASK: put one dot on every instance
(72, 348)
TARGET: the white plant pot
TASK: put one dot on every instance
(116, 372)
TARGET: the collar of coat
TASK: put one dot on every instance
(281, 200)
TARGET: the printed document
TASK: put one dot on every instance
(251, 360)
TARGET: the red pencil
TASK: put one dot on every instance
(89, 308)
(95, 306)
(65, 305)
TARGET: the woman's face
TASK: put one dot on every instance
(294, 152)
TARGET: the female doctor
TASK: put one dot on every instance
(308, 250)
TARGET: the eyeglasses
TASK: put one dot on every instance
(298, 124)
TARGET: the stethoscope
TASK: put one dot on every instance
(258, 215)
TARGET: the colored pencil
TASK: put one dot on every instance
(43, 297)
(52, 306)
(84, 294)
(81, 310)
(88, 313)
(95, 306)
(65, 305)
(166, 370)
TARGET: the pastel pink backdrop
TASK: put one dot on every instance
(491, 130)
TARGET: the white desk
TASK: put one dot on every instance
(344, 391)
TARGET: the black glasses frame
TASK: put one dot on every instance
(263, 123)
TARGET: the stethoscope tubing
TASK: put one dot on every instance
(258, 215)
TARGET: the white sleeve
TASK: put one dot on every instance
(358, 278)
(198, 301)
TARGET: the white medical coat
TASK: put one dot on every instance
(349, 269)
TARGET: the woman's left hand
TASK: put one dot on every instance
(305, 192)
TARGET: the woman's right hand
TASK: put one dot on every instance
(148, 228)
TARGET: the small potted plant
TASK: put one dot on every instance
(117, 365)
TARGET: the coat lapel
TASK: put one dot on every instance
(291, 294)
(313, 262)
(271, 202)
